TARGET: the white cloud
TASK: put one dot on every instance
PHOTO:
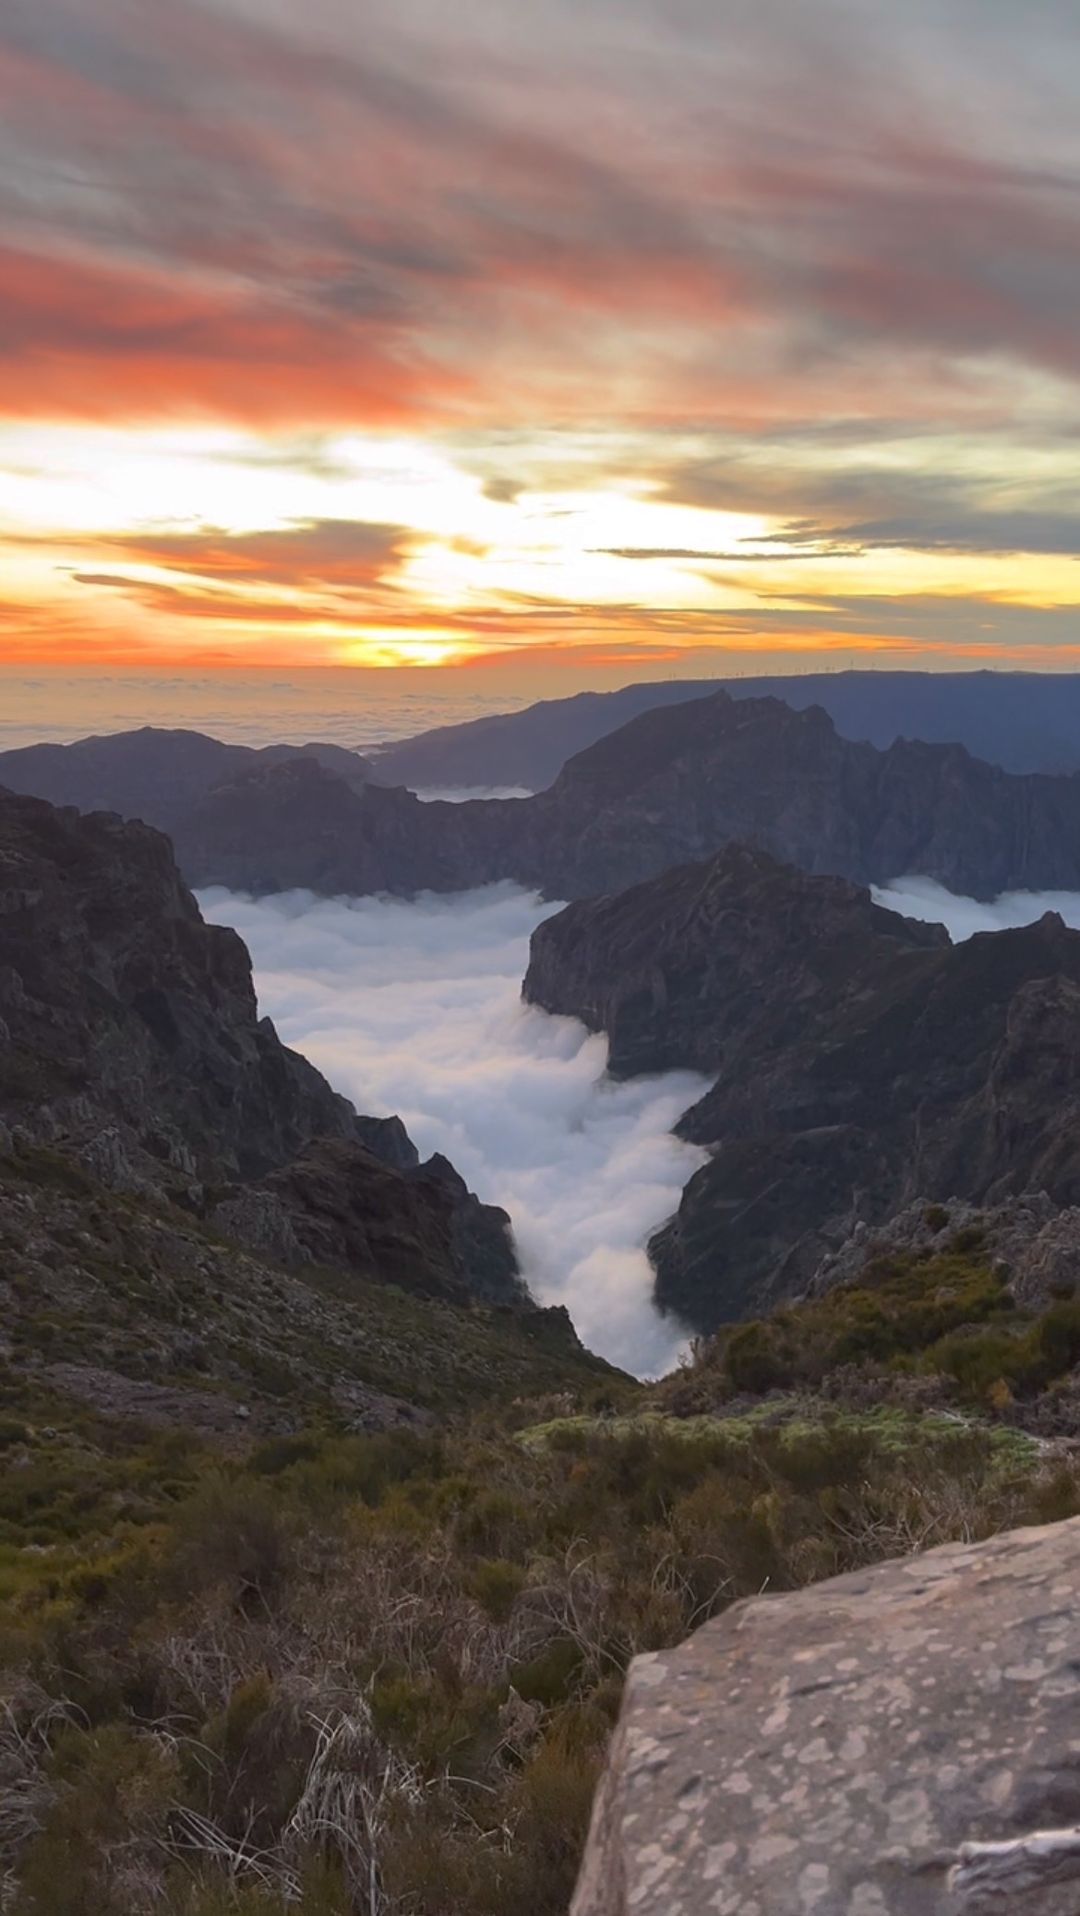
(458, 794)
(415, 1008)
(923, 899)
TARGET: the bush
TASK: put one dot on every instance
(497, 1585)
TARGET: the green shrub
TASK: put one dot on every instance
(553, 1676)
(497, 1585)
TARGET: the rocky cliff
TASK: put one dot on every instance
(900, 1741)
(675, 785)
(671, 786)
(130, 1036)
(861, 1060)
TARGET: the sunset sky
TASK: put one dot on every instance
(643, 332)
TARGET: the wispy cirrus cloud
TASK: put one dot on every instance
(795, 210)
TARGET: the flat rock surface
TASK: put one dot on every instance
(903, 1741)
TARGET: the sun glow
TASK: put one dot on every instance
(379, 549)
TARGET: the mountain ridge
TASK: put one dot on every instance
(861, 1060)
(671, 786)
(1022, 721)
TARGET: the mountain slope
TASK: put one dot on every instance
(130, 1039)
(676, 785)
(861, 1061)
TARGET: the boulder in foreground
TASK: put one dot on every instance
(903, 1741)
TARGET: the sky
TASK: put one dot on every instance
(630, 336)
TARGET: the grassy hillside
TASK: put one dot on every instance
(309, 1670)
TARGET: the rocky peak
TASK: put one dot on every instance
(712, 960)
(861, 1060)
(122, 1005)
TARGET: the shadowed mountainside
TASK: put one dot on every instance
(153, 773)
(130, 1037)
(862, 1061)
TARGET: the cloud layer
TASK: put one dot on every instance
(415, 1008)
(922, 898)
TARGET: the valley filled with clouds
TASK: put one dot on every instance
(415, 1009)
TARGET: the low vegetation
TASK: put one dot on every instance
(349, 1674)
(135, 1287)
(941, 1327)
(344, 1675)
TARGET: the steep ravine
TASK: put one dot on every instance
(420, 1005)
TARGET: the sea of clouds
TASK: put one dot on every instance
(416, 1008)
(963, 917)
(460, 794)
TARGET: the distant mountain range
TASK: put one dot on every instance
(1022, 721)
(673, 785)
(153, 773)
(861, 1061)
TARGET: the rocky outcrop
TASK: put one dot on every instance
(897, 1742)
(673, 785)
(861, 1061)
(130, 1038)
(337, 1205)
(122, 1008)
(140, 1309)
(716, 963)
(1032, 1241)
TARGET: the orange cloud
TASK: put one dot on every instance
(107, 341)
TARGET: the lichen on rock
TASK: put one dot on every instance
(901, 1741)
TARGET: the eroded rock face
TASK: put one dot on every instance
(897, 1742)
(1034, 1243)
(339, 1206)
(122, 1007)
(861, 1061)
(130, 1038)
